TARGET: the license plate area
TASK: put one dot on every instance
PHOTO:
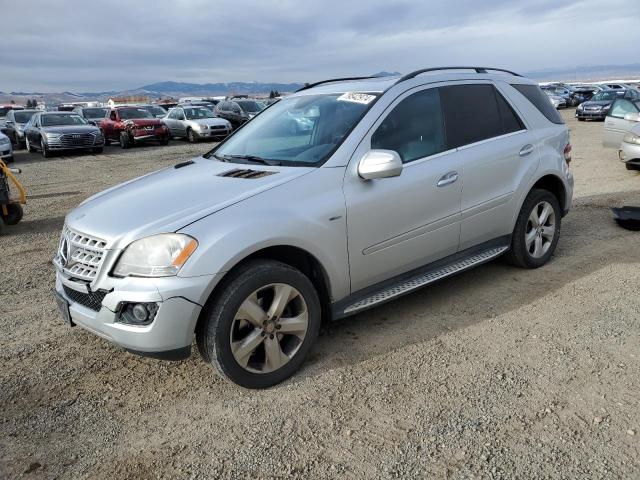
(63, 306)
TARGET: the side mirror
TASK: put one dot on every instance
(632, 117)
(380, 164)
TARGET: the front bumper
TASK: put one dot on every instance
(592, 114)
(213, 133)
(172, 328)
(629, 152)
(6, 151)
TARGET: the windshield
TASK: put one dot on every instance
(251, 106)
(53, 119)
(196, 113)
(297, 131)
(156, 111)
(604, 96)
(5, 110)
(22, 117)
(133, 113)
(94, 112)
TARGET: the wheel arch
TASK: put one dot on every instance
(553, 184)
(293, 256)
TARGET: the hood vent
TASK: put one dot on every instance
(246, 173)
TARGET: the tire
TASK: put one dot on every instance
(164, 140)
(14, 214)
(581, 119)
(30, 149)
(46, 153)
(107, 142)
(191, 136)
(124, 140)
(533, 245)
(258, 282)
(97, 150)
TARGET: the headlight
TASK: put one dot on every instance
(4, 140)
(580, 107)
(156, 256)
(631, 138)
(52, 135)
(202, 126)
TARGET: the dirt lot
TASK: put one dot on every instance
(497, 373)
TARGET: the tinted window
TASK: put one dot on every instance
(53, 119)
(470, 113)
(540, 101)
(621, 108)
(510, 120)
(414, 128)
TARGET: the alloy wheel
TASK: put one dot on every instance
(541, 229)
(269, 328)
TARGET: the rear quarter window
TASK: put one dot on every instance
(541, 101)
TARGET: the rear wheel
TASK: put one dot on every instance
(97, 150)
(164, 140)
(14, 214)
(261, 325)
(537, 230)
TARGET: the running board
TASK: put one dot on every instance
(411, 284)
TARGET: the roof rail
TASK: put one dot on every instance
(411, 75)
(311, 85)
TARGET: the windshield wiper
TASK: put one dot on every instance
(255, 159)
(218, 157)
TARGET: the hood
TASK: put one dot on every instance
(170, 199)
(145, 122)
(599, 103)
(70, 129)
(209, 121)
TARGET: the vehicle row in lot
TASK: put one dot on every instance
(195, 123)
(598, 107)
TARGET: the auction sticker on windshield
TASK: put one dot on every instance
(355, 97)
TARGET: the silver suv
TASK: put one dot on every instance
(398, 182)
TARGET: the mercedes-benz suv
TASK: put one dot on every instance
(398, 182)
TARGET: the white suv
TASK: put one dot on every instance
(344, 195)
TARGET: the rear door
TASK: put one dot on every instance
(496, 152)
(622, 117)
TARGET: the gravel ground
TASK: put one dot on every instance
(496, 373)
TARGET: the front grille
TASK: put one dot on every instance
(92, 300)
(77, 139)
(83, 254)
(219, 127)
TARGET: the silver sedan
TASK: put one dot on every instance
(196, 123)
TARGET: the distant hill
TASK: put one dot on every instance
(182, 89)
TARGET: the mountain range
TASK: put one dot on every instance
(181, 89)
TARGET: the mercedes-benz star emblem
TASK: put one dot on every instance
(65, 251)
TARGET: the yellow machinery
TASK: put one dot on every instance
(10, 207)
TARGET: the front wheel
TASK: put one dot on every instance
(537, 230)
(30, 149)
(46, 153)
(261, 325)
(124, 140)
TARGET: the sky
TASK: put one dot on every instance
(86, 46)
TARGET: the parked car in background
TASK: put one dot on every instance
(155, 110)
(239, 111)
(599, 105)
(196, 123)
(629, 149)
(6, 149)
(249, 246)
(50, 132)
(567, 95)
(15, 121)
(556, 101)
(623, 117)
(4, 109)
(615, 86)
(129, 125)
(211, 105)
(93, 115)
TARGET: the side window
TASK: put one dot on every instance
(414, 128)
(113, 116)
(470, 114)
(540, 101)
(511, 122)
(621, 107)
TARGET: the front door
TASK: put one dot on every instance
(616, 125)
(401, 223)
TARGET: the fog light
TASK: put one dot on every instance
(137, 313)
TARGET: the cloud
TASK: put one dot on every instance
(90, 46)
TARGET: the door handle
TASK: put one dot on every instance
(526, 150)
(447, 179)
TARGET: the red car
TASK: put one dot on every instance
(131, 125)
